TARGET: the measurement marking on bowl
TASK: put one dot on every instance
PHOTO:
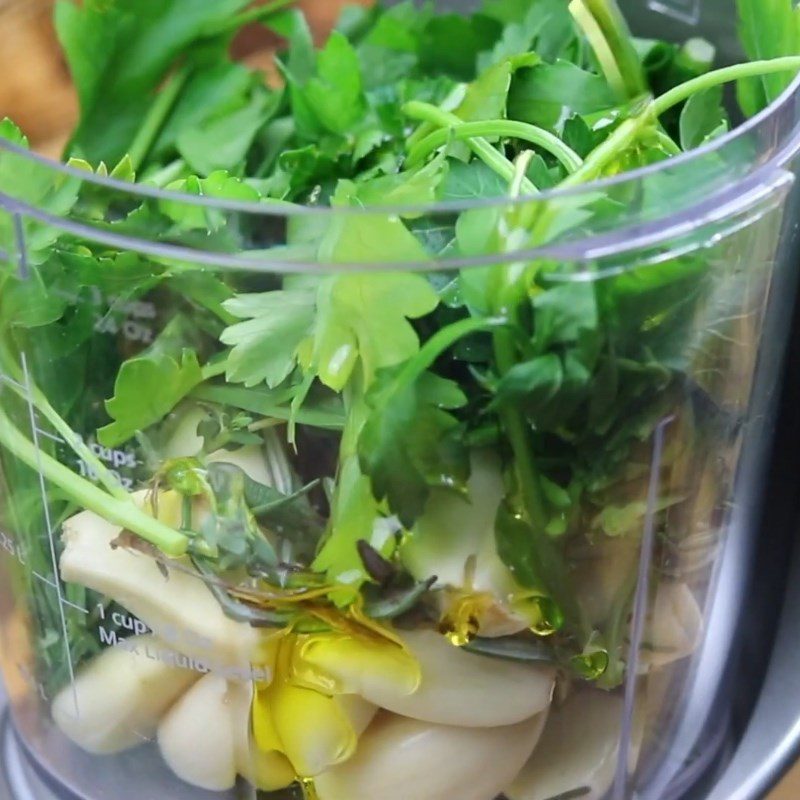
(75, 606)
(50, 532)
(12, 547)
(50, 436)
(44, 579)
(11, 382)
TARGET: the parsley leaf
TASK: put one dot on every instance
(147, 389)
(34, 184)
(364, 319)
(411, 443)
(265, 346)
(703, 118)
(332, 99)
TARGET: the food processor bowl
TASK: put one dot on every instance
(114, 696)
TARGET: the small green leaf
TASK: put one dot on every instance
(119, 53)
(218, 184)
(410, 443)
(564, 313)
(451, 43)
(543, 94)
(541, 26)
(703, 118)
(289, 516)
(353, 519)
(335, 95)
(363, 317)
(474, 181)
(537, 381)
(146, 390)
(265, 345)
(223, 143)
(37, 185)
(28, 304)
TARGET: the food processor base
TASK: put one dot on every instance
(17, 781)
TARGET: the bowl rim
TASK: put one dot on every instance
(285, 210)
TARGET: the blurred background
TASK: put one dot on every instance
(36, 93)
(34, 85)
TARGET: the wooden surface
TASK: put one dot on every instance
(789, 789)
(35, 91)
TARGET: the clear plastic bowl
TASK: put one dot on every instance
(660, 582)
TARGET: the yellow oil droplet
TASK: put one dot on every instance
(462, 622)
(309, 789)
(463, 634)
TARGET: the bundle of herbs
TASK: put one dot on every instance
(345, 462)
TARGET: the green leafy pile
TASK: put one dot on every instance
(386, 380)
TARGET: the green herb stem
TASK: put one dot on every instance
(752, 69)
(85, 494)
(516, 428)
(522, 164)
(166, 175)
(453, 99)
(268, 405)
(619, 141)
(32, 394)
(627, 133)
(213, 369)
(248, 17)
(442, 341)
(426, 112)
(610, 38)
(157, 116)
(498, 127)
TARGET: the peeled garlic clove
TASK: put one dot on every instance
(600, 572)
(249, 459)
(177, 606)
(185, 443)
(268, 771)
(118, 699)
(455, 540)
(359, 711)
(400, 759)
(315, 731)
(453, 528)
(578, 750)
(456, 687)
(419, 681)
(674, 627)
(197, 738)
